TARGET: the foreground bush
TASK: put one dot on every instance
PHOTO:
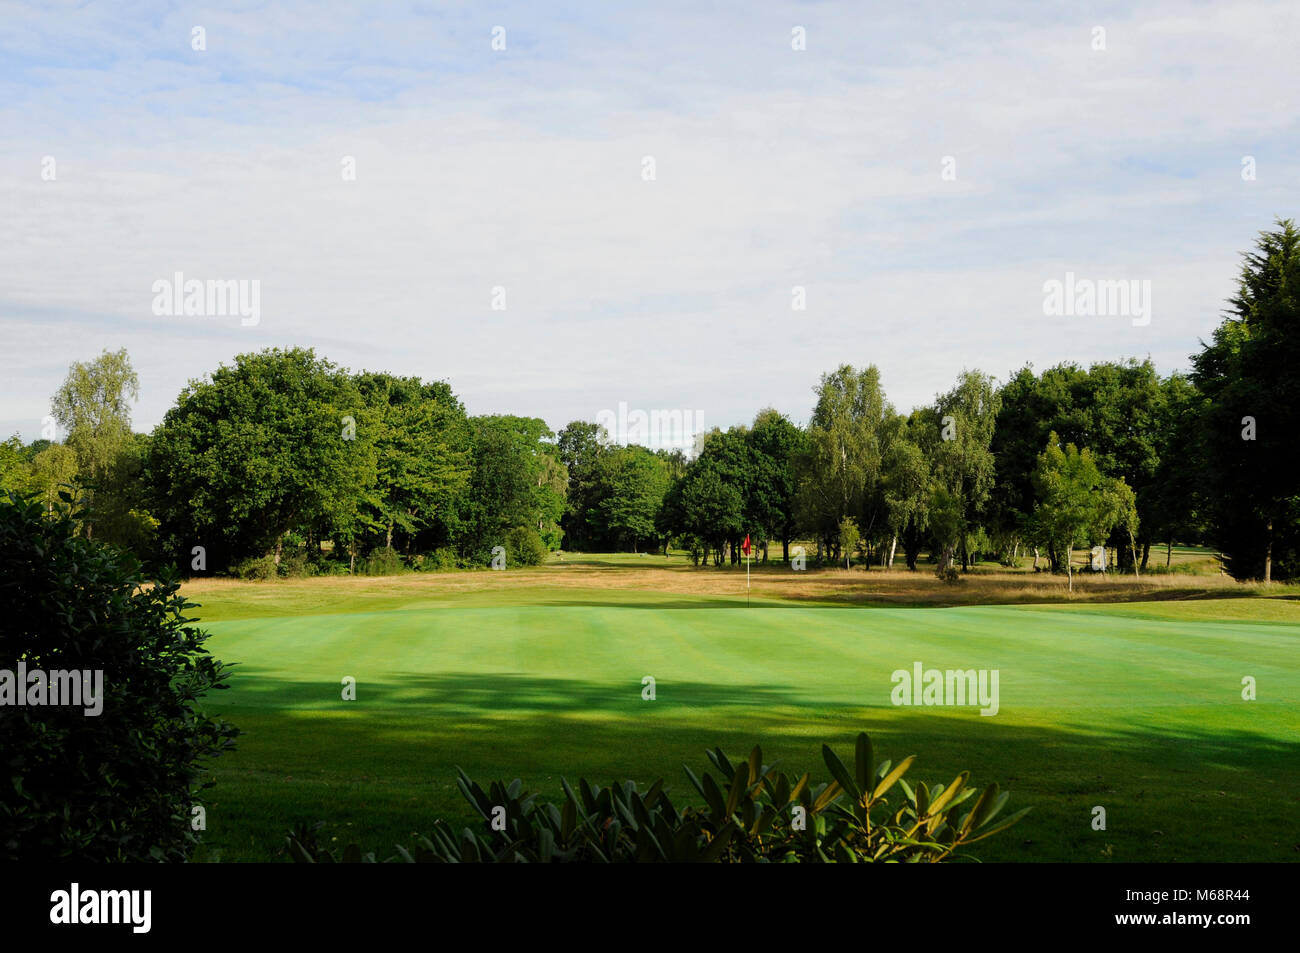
(753, 813)
(117, 784)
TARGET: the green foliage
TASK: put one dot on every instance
(54, 469)
(15, 469)
(841, 466)
(1077, 505)
(518, 480)
(120, 501)
(93, 405)
(778, 446)
(383, 561)
(579, 447)
(295, 565)
(710, 505)
(255, 568)
(524, 547)
(961, 459)
(422, 446)
(1135, 425)
(627, 488)
(1251, 369)
(752, 813)
(439, 560)
(849, 537)
(119, 785)
(259, 450)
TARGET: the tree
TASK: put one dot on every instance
(579, 446)
(1249, 375)
(422, 453)
(549, 497)
(778, 445)
(1176, 500)
(848, 538)
(905, 486)
(732, 455)
(53, 468)
(961, 459)
(93, 406)
(262, 448)
(121, 507)
(629, 483)
(711, 507)
(1077, 504)
(15, 468)
(842, 462)
(1123, 409)
(1117, 409)
(509, 487)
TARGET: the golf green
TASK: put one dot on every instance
(1137, 709)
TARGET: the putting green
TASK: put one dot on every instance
(1135, 708)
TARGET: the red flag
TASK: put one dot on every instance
(745, 548)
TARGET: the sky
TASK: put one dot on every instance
(565, 208)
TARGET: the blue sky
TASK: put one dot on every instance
(522, 168)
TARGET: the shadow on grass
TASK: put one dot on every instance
(384, 765)
(487, 695)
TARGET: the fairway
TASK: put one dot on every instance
(1135, 707)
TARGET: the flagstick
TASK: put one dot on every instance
(746, 580)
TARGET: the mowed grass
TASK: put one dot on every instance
(1134, 707)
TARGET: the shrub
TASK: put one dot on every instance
(949, 575)
(524, 547)
(440, 559)
(255, 567)
(383, 561)
(296, 564)
(118, 785)
(752, 813)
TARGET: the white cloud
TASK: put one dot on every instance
(523, 169)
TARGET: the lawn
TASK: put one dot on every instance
(1134, 707)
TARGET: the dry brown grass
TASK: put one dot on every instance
(674, 576)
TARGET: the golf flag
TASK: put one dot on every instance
(745, 548)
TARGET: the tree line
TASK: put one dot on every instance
(284, 462)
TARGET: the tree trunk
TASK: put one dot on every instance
(1169, 553)
(1035, 559)
(1133, 543)
(1146, 551)
(785, 549)
(1268, 555)
(279, 546)
(1069, 568)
